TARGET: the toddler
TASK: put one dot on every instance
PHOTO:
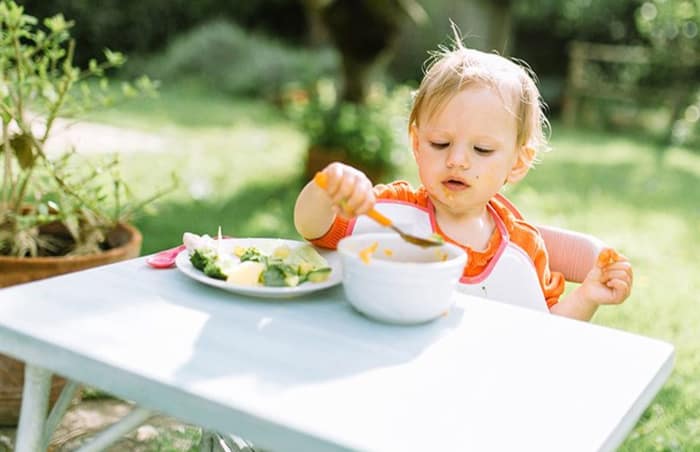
(476, 124)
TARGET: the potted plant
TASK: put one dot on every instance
(360, 134)
(59, 211)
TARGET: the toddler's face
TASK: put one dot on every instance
(467, 150)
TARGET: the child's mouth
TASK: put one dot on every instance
(455, 184)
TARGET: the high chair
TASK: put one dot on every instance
(571, 253)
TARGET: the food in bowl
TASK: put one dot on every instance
(389, 279)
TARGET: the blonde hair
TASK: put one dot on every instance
(450, 70)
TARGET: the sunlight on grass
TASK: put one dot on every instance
(240, 165)
(188, 105)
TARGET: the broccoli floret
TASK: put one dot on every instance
(213, 270)
(201, 257)
(253, 254)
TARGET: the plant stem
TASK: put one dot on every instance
(20, 78)
(65, 86)
(20, 193)
(7, 178)
(145, 202)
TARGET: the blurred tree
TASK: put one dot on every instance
(544, 28)
(671, 29)
(587, 20)
(671, 25)
(350, 126)
(485, 24)
(364, 32)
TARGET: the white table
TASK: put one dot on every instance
(314, 375)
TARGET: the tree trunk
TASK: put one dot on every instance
(500, 26)
(363, 31)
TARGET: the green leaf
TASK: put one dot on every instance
(24, 150)
(114, 58)
(48, 91)
(93, 67)
(57, 23)
(72, 224)
(4, 89)
(128, 90)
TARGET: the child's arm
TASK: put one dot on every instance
(348, 192)
(609, 282)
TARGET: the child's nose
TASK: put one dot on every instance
(458, 157)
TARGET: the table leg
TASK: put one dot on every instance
(59, 410)
(35, 402)
(129, 422)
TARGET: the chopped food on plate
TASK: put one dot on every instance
(284, 266)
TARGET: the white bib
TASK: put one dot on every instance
(510, 277)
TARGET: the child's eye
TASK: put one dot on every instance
(436, 145)
(482, 150)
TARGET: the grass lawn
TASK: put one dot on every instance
(240, 164)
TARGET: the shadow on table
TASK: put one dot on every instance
(247, 338)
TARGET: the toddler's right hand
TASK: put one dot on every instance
(349, 189)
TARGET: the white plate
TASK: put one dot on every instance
(266, 246)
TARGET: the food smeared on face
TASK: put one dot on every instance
(447, 193)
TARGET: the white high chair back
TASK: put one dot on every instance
(571, 253)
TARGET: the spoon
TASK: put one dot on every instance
(322, 181)
(165, 259)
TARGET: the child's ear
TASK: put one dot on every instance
(522, 164)
(413, 135)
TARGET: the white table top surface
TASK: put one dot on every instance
(312, 374)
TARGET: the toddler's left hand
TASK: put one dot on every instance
(610, 280)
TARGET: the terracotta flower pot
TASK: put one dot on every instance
(14, 270)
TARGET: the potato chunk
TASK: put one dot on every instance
(246, 273)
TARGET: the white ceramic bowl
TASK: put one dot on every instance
(400, 282)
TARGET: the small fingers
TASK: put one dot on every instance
(360, 197)
(621, 289)
(349, 189)
(618, 270)
(334, 177)
(366, 205)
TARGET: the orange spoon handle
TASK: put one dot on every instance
(379, 218)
